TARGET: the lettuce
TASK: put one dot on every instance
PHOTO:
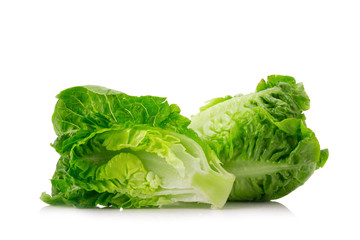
(124, 151)
(262, 139)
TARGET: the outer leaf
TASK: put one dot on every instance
(81, 110)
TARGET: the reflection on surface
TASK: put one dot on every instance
(231, 210)
(258, 206)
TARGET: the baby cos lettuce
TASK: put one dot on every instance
(262, 139)
(123, 151)
(131, 152)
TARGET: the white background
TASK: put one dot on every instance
(189, 51)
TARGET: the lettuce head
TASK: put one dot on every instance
(262, 139)
(124, 151)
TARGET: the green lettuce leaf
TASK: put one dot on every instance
(262, 139)
(131, 152)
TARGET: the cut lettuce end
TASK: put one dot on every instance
(205, 187)
(215, 187)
